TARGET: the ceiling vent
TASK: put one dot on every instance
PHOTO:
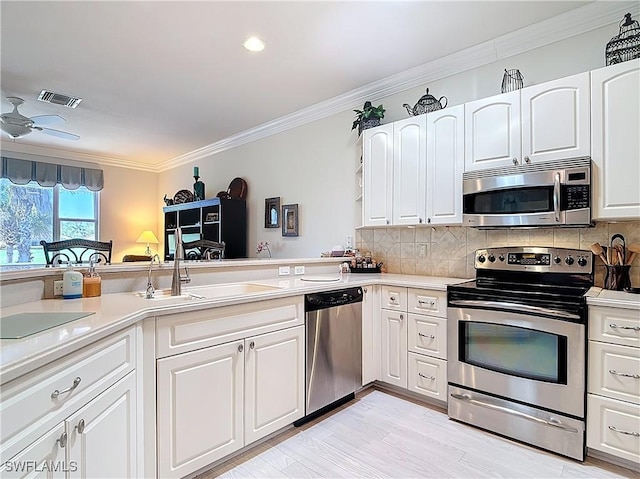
(59, 99)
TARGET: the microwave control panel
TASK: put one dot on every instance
(575, 197)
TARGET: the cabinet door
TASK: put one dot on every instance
(555, 119)
(274, 382)
(44, 458)
(199, 408)
(613, 427)
(613, 371)
(445, 163)
(492, 131)
(378, 175)
(427, 376)
(370, 335)
(409, 170)
(102, 435)
(394, 348)
(427, 335)
(615, 122)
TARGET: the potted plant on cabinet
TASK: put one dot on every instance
(368, 117)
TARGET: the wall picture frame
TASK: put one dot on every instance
(211, 217)
(290, 220)
(272, 212)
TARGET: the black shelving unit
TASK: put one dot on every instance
(215, 219)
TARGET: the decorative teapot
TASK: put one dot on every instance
(426, 104)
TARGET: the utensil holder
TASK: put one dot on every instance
(617, 277)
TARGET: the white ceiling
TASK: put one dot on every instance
(162, 79)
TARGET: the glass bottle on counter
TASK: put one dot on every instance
(92, 284)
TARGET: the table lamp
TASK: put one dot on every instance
(147, 237)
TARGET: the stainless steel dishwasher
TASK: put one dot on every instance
(334, 349)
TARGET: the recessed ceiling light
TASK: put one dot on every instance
(254, 44)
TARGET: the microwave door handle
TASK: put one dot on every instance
(556, 196)
(513, 307)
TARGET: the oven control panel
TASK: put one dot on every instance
(529, 258)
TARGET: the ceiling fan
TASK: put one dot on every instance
(17, 125)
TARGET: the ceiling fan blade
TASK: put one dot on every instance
(47, 119)
(58, 133)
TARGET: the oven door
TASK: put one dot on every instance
(537, 360)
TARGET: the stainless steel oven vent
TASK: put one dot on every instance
(59, 99)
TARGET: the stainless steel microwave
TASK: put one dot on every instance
(553, 193)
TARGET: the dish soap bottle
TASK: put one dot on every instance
(71, 283)
(92, 284)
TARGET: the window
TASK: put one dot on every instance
(31, 213)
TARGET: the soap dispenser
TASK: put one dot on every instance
(71, 283)
(92, 284)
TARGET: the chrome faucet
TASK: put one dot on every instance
(178, 279)
(150, 289)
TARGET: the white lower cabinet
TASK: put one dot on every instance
(613, 384)
(214, 401)
(370, 334)
(76, 417)
(414, 340)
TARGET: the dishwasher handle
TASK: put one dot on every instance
(330, 299)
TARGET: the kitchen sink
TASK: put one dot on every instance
(212, 292)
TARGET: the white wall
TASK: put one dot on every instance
(314, 165)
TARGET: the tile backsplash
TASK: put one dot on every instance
(449, 250)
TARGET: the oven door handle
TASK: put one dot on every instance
(553, 422)
(556, 196)
(514, 307)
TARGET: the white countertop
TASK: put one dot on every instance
(614, 299)
(119, 310)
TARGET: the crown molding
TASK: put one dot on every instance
(575, 22)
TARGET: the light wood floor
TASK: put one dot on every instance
(380, 435)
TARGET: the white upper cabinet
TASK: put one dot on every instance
(409, 170)
(555, 119)
(492, 131)
(445, 154)
(378, 175)
(615, 123)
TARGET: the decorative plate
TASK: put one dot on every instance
(238, 189)
(183, 196)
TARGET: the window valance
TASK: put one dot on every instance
(22, 172)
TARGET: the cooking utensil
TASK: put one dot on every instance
(619, 250)
(598, 251)
(618, 236)
(634, 249)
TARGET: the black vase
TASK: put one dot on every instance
(368, 123)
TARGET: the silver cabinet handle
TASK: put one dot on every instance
(240, 348)
(57, 392)
(252, 345)
(419, 220)
(634, 434)
(62, 440)
(551, 422)
(430, 303)
(527, 160)
(392, 298)
(364, 289)
(626, 375)
(556, 196)
(401, 317)
(388, 221)
(426, 377)
(428, 220)
(430, 336)
(80, 426)
(615, 326)
(514, 160)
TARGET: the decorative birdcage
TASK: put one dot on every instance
(626, 45)
(512, 80)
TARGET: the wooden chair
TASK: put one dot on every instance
(203, 249)
(77, 251)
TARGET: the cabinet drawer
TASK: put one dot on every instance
(613, 427)
(180, 333)
(394, 298)
(614, 371)
(29, 403)
(427, 335)
(428, 376)
(614, 325)
(424, 301)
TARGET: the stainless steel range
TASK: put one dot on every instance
(517, 346)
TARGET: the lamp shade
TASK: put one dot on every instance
(147, 237)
